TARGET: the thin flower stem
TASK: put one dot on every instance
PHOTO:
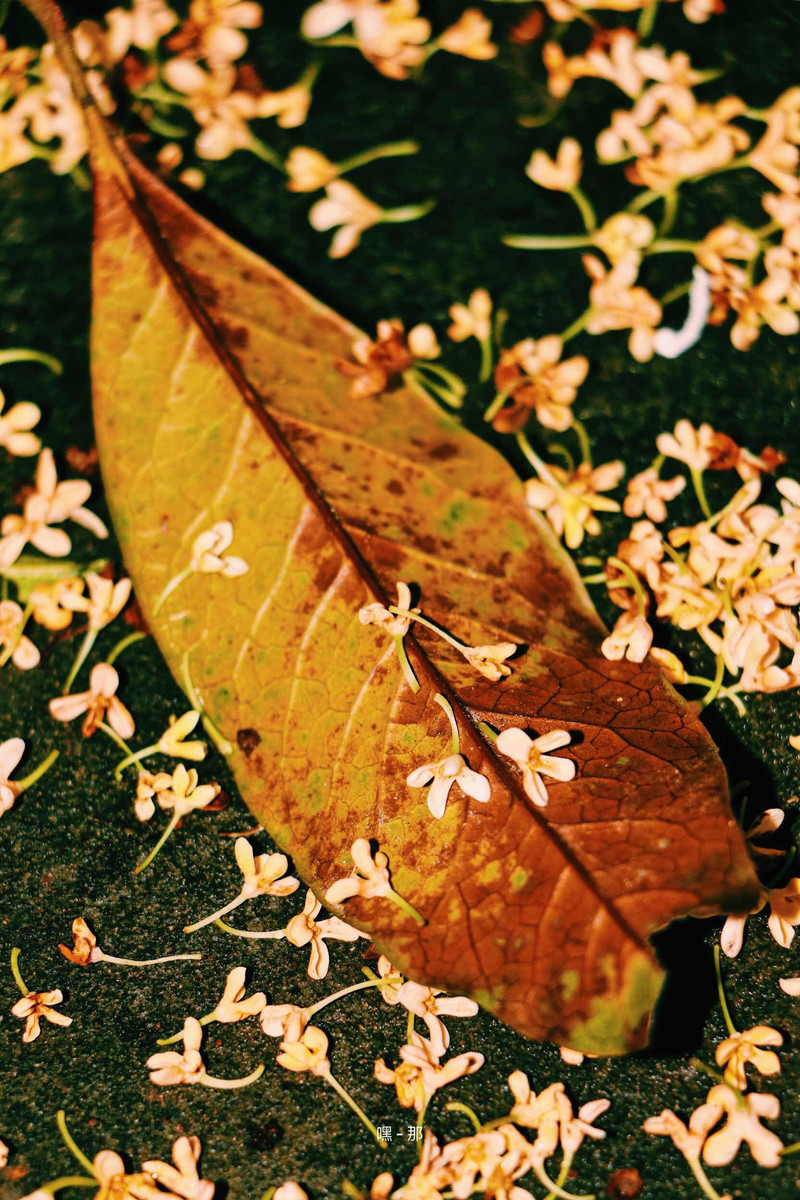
(427, 389)
(174, 583)
(116, 739)
(585, 208)
(703, 1182)
(74, 1149)
(647, 19)
(716, 684)
(496, 405)
(173, 821)
(469, 1113)
(82, 655)
(130, 640)
(408, 670)
(634, 582)
(231, 1084)
(265, 153)
(790, 1149)
(38, 356)
(447, 708)
(672, 246)
(217, 737)
(487, 358)
(544, 241)
(20, 982)
(348, 1099)
(583, 439)
(14, 642)
(407, 212)
(132, 757)
(563, 1174)
(671, 202)
(541, 467)
(385, 150)
(178, 1037)
(680, 290)
(277, 934)
(577, 326)
(732, 1030)
(405, 906)
(700, 491)
(409, 1026)
(455, 382)
(354, 987)
(221, 912)
(28, 569)
(487, 731)
(22, 785)
(420, 1122)
(404, 612)
(67, 1181)
(699, 1065)
(149, 962)
(555, 1188)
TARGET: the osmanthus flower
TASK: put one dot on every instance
(15, 428)
(290, 105)
(183, 796)
(147, 786)
(395, 624)
(370, 880)
(570, 499)
(612, 56)
(86, 951)
(442, 775)
(286, 1021)
(100, 703)
(169, 1068)
(430, 1004)
(182, 1179)
(232, 1007)
(784, 905)
(222, 113)
(4, 1152)
(421, 1074)
(688, 1140)
(174, 742)
(351, 213)
(470, 36)
(290, 1191)
(734, 1052)
(561, 174)
(305, 930)
(631, 638)
(763, 305)
(35, 1006)
(49, 504)
(47, 602)
(16, 646)
(390, 35)
(474, 319)
(531, 378)
(141, 26)
(104, 602)
(767, 822)
(309, 1053)
(11, 752)
(309, 170)
(379, 364)
(648, 495)
(743, 1116)
(208, 557)
(617, 304)
(624, 236)
(533, 758)
(219, 25)
(264, 875)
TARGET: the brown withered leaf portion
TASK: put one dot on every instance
(217, 399)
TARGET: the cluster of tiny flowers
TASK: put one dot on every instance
(732, 577)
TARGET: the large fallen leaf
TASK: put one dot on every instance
(216, 398)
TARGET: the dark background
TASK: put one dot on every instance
(68, 847)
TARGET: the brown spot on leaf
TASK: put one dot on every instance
(247, 740)
(443, 451)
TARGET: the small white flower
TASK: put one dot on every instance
(11, 752)
(208, 556)
(304, 929)
(100, 702)
(532, 757)
(23, 652)
(15, 428)
(442, 775)
(344, 206)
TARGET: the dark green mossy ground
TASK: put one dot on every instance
(68, 848)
